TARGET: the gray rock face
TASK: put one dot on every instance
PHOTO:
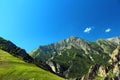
(111, 72)
(54, 66)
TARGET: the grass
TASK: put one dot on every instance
(111, 74)
(12, 68)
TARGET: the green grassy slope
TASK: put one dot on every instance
(12, 68)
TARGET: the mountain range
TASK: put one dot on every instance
(70, 59)
(77, 59)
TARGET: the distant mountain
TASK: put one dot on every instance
(74, 57)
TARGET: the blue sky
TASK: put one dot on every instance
(30, 23)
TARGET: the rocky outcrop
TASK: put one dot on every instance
(110, 72)
(115, 56)
(92, 72)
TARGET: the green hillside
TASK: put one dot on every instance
(12, 68)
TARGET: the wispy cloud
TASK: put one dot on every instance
(87, 30)
(107, 30)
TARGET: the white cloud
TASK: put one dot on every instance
(107, 30)
(87, 30)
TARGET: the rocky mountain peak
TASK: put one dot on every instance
(74, 57)
(115, 39)
(73, 37)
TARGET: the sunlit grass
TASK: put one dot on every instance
(12, 68)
